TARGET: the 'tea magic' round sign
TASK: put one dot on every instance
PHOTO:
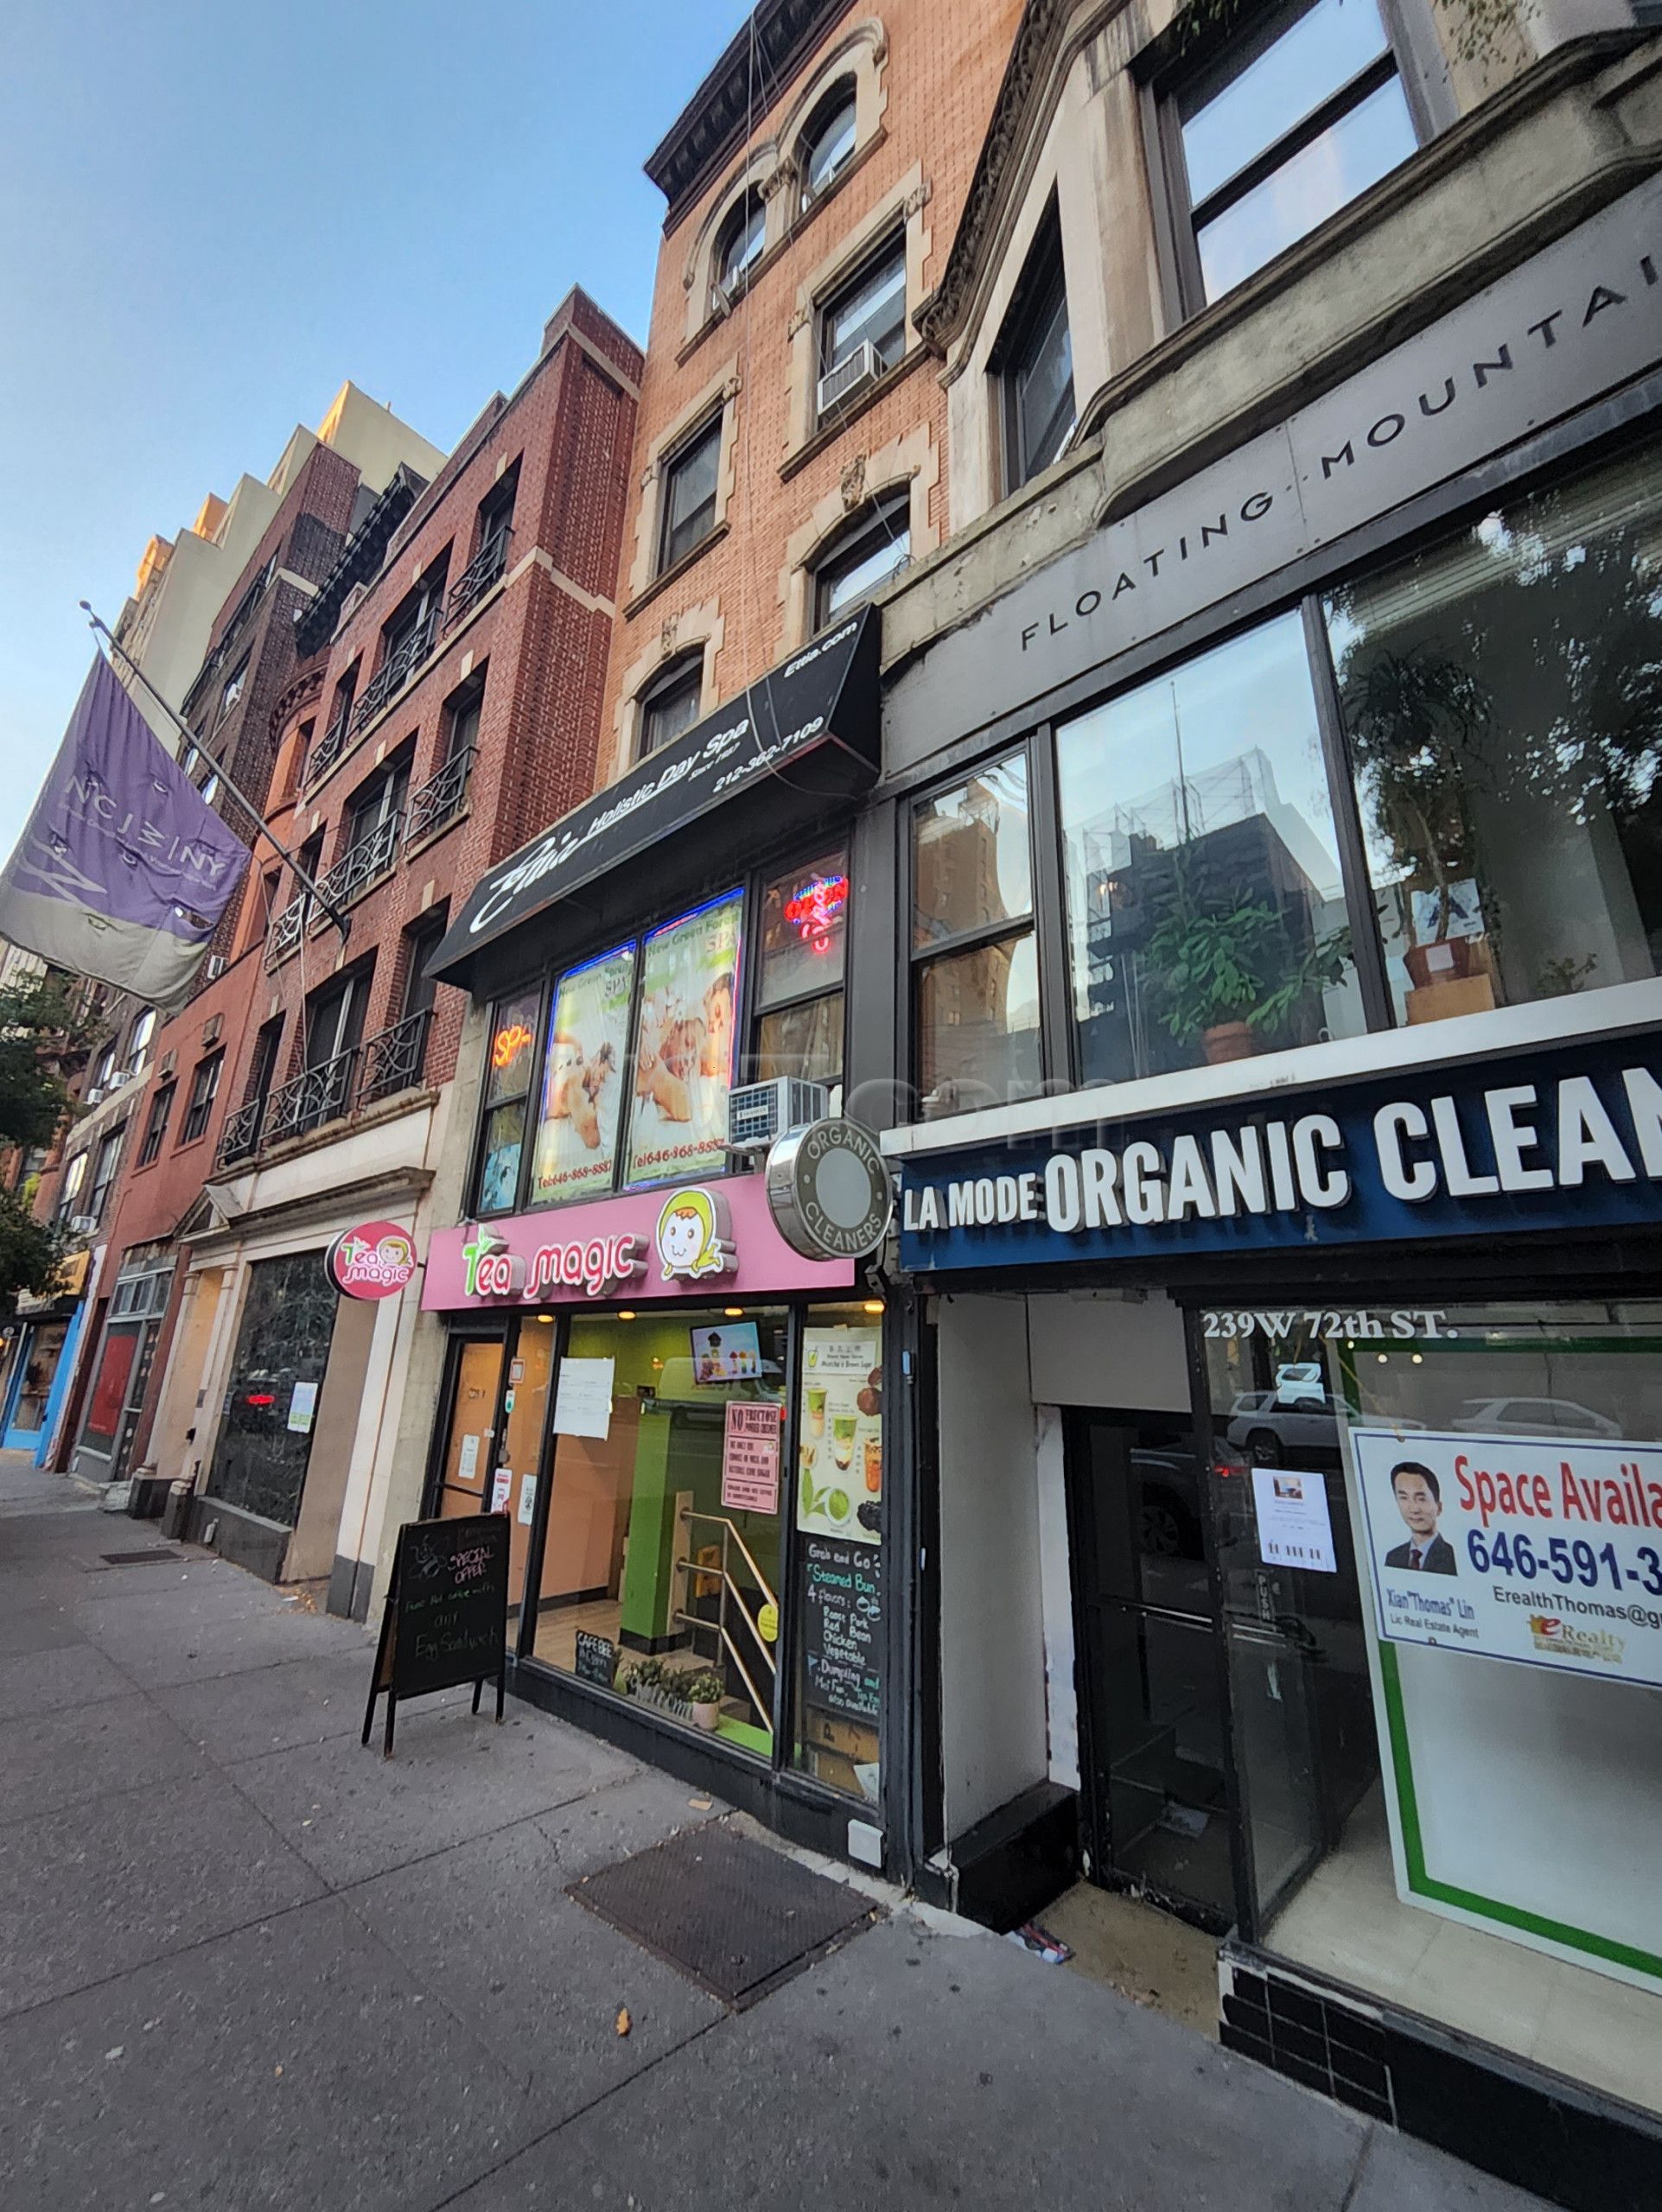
(829, 1191)
(374, 1261)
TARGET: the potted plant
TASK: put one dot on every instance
(1229, 976)
(704, 1692)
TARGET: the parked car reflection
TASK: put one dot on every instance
(1533, 1417)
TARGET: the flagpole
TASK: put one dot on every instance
(306, 882)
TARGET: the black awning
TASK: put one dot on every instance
(798, 740)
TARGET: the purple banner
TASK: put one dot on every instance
(122, 873)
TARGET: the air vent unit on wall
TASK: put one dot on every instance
(850, 377)
(214, 965)
(757, 1113)
(166, 1065)
(82, 1225)
(212, 1029)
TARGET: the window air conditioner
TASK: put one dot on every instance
(115, 1077)
(214, 965)
(838, 385)
(82, 1225)
(758, 1113)
(93, 1094)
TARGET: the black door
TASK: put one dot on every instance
(277, 1373)
(1152, 1718)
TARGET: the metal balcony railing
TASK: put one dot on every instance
(316, 1095)
(240, 1139)
(328, 748)
(285, 932)
(476, 579)
(439, 800)
(396, 671)
(393, 1059)
(358, 867)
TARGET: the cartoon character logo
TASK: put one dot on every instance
(695, 1237)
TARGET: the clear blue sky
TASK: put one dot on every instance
(211, 214)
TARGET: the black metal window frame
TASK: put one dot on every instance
(1628, 420)
(706, 433)
(106, 1166)
(155, 1125)
(751, 884)
(204, 1089)
(1409, 57)
(761, 1006)
(1040, 289)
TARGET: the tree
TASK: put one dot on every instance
(41, 1028)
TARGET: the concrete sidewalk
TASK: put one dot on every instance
(245, 1963)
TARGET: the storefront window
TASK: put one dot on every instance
(1501, 695)
(1205, 913)
(799, 986)
(115, 1367)
(684, 1044)
(837, 1617)
(276, 1373)
(659, 1574)
(524, 1422)
(508, 1084)
(584, 1074)
(1443, 1582)
(469, 1462)
(977, 987)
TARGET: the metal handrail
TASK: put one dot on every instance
(393, 1057)
(360, 866)
(328, 748)
(316, 1095)
(396, 669)
(240, 1139)
(285, 932)
(683, 1613)
(478, 575)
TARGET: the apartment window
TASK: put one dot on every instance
(976, 968)
(461, 715)
(739, 247)
(874, 547)
(345, 691)
(422, 940)
(670, 704)
(1035, 365)
(1293, 122)
(233, 690)
(378, 804)
(138, 1043)
(335, 1018)
(512, 1058)
(204, 1089)
(155, 1126)
(263, 1067)
(496, 512)
(869, 311)
(410, 628)
(104, 1172)
(689, 509)
(69, 1190)
(103, 1067)
(798, 1028)
(828, 142)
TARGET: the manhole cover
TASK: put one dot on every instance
(737, 1916)
(139, 1559)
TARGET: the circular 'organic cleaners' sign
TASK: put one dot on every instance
(829, 1191)
(374, 1261)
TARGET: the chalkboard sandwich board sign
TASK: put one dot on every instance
(446, 1617)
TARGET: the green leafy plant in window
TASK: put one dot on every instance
(1231, 975)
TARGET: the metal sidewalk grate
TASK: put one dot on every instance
(737, 1916)
(139, 1559)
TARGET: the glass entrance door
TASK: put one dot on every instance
(465, 1470)
(1153, 1729)
(277, 1373)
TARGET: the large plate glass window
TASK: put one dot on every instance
(510, 1064)
(660, 1571)
(799, 982)
(1300, 116)
(1443, 1657)
(1502, 694)
(585, 1070)
(1205, 914)
(685, 1037)
(976, 979)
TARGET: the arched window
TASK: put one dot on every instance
(670, 704)
(738, 246)
(875, 546)
(828, 142)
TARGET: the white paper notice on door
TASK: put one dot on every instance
(527, 1501)
(302, 1406)
(467, 1465)
(582, 1404)
(1294, 1528)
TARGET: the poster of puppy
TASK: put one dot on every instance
(583, 1080)
(685, 1044)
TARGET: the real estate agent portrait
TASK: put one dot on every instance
(1419, 1500)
